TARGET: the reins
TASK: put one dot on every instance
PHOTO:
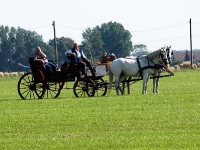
(155, 66)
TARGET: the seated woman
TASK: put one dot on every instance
(40, 56)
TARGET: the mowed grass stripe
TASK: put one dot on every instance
(169, 120)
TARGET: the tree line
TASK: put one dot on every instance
(17, 45)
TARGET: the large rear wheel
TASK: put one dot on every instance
(84, 87)
(53, 89)
(31, 85)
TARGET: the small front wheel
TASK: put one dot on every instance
(84, 87)
(100, 87)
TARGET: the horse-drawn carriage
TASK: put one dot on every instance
(39, 82)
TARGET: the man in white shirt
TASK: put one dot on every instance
(77, 56)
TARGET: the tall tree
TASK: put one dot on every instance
(116, 39)
(17, 45)
(93, 44)
(109, 37)
(7, 47)
(63, 44)
(140, 49)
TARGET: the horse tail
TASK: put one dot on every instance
(110, 79)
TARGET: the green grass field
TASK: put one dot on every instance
(169, 120)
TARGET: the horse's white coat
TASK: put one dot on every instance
(122, 68)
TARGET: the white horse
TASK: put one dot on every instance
(142, 67)
(156, 80)
(157, 72)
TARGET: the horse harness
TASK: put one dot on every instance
(155, 66)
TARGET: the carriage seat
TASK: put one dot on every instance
(106, 61)
(68, 67)
(36, 64)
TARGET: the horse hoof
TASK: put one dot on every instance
(156, 92)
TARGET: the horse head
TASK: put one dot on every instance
(169, 54)
(163, 55)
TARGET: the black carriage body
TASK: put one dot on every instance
(39, 82)
(67, 73)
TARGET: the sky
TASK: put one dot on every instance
(154, 23)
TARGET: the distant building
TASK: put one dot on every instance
(185, 56)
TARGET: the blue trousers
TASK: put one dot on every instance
(50, 67)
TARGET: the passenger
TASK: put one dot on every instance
(41, 57)
(104, 58)
(113, 55)
(105, 54)
(77, 57)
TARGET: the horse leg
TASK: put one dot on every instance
(117, 89)
(128, 85)
(122, 92)
(120, 79)
(156, 83)
(145, 83)
(123, 85)
(117, 85)
(127, 81)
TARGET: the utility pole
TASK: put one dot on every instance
(55, 44)
(191, 55)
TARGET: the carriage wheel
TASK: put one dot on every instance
(31, 85)
(84, 87)
(53, 89)
(100, 87)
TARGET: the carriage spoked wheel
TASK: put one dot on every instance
(53, 89)
(84, 87)
(100, 87)
(31, 85)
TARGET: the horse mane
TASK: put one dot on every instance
(153, 54)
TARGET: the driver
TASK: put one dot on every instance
(77, 56)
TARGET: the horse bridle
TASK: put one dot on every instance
(161, 55)
(168, 54)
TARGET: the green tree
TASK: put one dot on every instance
(116, 39)
(25, 44)
(109, 37)
(140, 49)
(63, 44)
(92, 44)
(17, 45)
(7, 47)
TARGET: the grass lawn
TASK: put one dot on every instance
(169, 120)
